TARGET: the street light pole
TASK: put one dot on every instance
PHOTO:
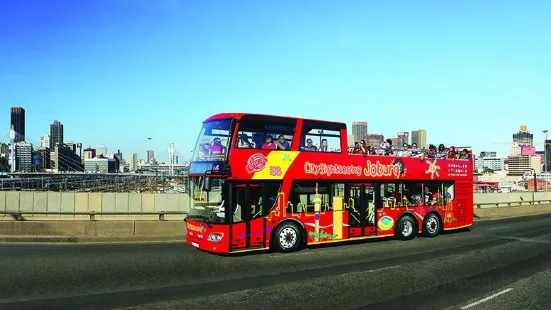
(545, 172)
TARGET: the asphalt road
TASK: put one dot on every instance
(502, 264)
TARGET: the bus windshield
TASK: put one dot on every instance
(207, 205)
(213, 141)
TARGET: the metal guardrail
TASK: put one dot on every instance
(18, 215)
(513, 203)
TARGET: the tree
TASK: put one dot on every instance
(4, 165)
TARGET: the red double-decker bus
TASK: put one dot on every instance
(263, 181)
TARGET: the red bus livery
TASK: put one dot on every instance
(263, 181)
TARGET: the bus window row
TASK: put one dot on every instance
(362, 199)
(305, 194)
(387, 149)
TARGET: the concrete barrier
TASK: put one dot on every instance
(86, 202)
(506, 212)
(491, 200)
(96, 231)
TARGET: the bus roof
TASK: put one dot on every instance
(239, 115)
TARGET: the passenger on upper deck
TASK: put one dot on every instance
(406, 151)
(243, 142)
(282, 144)
(216, 147)
(324, 146)
(269, 144)
(309, 146)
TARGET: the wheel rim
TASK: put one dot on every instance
(287, 237)
(432, 225)
(407, 228)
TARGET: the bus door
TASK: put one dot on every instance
(251, 203)
(361, 210)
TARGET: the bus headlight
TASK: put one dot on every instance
(215, 237)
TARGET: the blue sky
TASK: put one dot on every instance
(117, 72)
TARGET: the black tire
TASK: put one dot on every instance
(406, 229)
(287, 238)
(431, 225)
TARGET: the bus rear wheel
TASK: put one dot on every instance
(431, 225)
(406, 228)
(287, 238)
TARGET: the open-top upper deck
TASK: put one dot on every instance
(255, 146)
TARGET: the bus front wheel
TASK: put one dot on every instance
(287, 238)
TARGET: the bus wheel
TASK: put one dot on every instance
(287, 237)
(405, 230)
(431, 225)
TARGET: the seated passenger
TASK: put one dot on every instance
(243, 141)
(309, 146)
(282, 144)
(442, 152)
(432, 151)
(414, 150)
(428, 196)
(324, 147)
(452, 154)
(269, 144)
(405, 152)
(363, 147)
(464, 154)
(356, 149)
(216, 147)
(387, 147)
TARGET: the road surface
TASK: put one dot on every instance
(503, 264)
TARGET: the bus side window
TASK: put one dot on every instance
(258, 128)
(320, 137)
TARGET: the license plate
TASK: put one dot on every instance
(195, 244)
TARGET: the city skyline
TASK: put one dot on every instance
(355, 128)
(113, 82)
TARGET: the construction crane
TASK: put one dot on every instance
(534, 143)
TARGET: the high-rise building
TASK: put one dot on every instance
(18, 123)
(489, 161)
(374, 139)
(520, 164)
(44, 161)
(101, 150)
(419, 137)
(150, 156)
(351, 140)
(45, 141)
(56, 135)
(515, 149)
(89, 153)
(396, 142)
(403, 137)
(65, 159)
(359, 130)
(23, 157)
(523, 137)
(547, 154)
(133, 161)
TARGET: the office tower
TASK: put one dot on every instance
(359, 130)
(18, 123)
(56, 135)
(419, 137)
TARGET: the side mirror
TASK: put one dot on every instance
(206, 184)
